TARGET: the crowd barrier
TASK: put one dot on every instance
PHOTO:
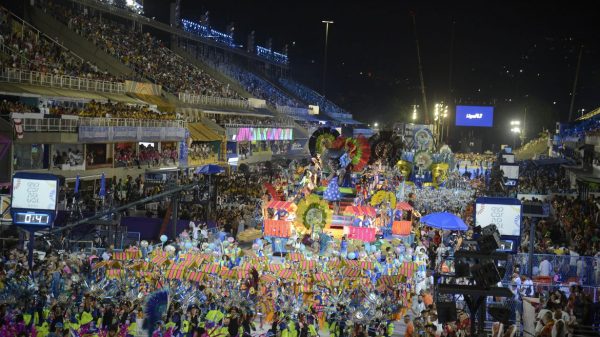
(12, 75)
(49, 124)
(290, 110)
(565, 269)
(213, 100)
(35, 122)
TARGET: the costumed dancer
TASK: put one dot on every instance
(332, 193)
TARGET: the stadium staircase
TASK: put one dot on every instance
(76, 43)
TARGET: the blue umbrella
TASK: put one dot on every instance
(210, 169)
(444, 220)
(102, 192)
(77, 184)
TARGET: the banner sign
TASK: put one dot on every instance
(298, 146)
(254, 134)
(107, 134)
(125, 133)
(232, 150)
(143, 88)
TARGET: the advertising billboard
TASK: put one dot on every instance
(472, 115)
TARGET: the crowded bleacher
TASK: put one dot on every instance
(542, 179)
(256, 85)
(148, 56)
(312, 97)
(28, 49)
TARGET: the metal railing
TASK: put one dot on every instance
(71, 125)
(213, 100)
(49, 125)
(340, 115)
(155, 123)
(258, 125)
(584, 270)
(12, 75)
(290, 110)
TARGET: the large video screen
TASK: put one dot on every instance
(34, 194)
(472, 115)
(510, 171)
(506, 216)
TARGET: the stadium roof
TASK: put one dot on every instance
(347, 121)
(201, 133)
(21, 89)
(589, 115)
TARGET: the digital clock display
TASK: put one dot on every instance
(32, 219)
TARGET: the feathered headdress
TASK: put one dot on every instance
(156, 307)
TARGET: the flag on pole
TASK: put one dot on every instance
(102, 192)
(77, 184)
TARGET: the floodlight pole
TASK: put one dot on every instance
(326, 22)
(423, 94)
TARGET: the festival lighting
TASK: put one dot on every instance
(440, 113)
(515, 126)
(271, 55)
(207, 32)
(414, 113)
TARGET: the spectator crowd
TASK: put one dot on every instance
(28, 49)
(148, 56)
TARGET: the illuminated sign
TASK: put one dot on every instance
(471, 115)
(34, 199)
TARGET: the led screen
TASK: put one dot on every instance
(471, 115)
(507, 218)
(33, 194)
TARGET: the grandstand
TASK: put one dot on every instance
(534, 148)
(85, 93)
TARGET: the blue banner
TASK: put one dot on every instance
(232, 150)
(125, 133)
(183, 150)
